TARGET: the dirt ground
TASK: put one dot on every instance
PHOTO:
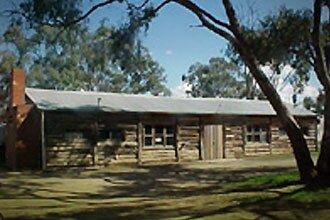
(189, 190)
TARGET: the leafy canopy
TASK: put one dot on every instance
(280, 40)
(218, 78)
(79, 59)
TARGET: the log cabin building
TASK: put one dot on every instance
(48, 128)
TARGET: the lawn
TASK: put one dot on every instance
(252, 188)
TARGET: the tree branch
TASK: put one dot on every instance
(252, 62)
(205, 17)
(131, 5)
(234, 25)
(192, 6)
(163, 4)
(60, 23)
(89, 12)
(321, 69)
(285, 80)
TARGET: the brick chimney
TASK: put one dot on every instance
(17, 147)
(17, 83)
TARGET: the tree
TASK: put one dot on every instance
(232, 31)
(9, 59)
(218, 78)
(315, 105)
(77, 59)
(322, 69)
(6, 65)
(303, 52)
(276, 44)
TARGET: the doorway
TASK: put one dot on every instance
(213, 142)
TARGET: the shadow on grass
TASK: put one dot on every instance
(173, 180)
(145, 181)
(114, 213)
(154, 191)
(301, 203)
(271, 208)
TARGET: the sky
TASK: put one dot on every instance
(176, 43)
(174, 40)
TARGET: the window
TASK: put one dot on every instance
(116, 135)
(257, 133)
(148, 135)
(282, 132)
(112, 134)
(73, 135)
(305, 131)
(158, 135)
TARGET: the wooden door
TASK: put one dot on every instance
(213, 142)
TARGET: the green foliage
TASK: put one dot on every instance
(7, 63)
(59, 52)
(275, 42)
(50, 11)
(57, 59)
(78, 59)
(317, 105)
(218, 78)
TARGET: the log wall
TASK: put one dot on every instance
(188, 138)
(278, 143)
(87, 148)
(233, 141)
(118, 151)
(62, 151)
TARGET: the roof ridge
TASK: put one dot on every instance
(83, 100)
(146, 95)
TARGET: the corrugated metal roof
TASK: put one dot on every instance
(113, 102)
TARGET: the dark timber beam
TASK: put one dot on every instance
(140, 142)
(43, 147)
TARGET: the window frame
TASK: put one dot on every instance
(305, 130)
(74, 135)
(112, 134)
(282, 132)
(257, 133)
(158, 131)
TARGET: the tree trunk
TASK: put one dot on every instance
(304, 161)
(301, 152)
(233, 33)
(323, 163)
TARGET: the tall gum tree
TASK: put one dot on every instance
(233, 33)
(322, 70)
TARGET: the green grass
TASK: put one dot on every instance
(266, 181)
(283, 180)
(287, 193)
(307, 195)
(217, 190)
